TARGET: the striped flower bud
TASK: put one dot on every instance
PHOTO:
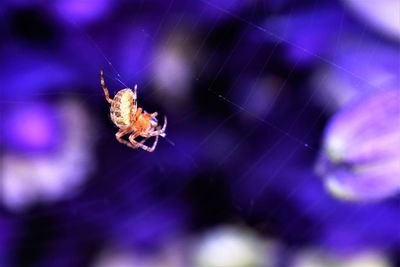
(360, 157)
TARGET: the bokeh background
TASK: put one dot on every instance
(282, 146)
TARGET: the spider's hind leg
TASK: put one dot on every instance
(105, 89)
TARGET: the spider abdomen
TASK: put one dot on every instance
(121, 108)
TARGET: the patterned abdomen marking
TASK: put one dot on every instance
(121, 108)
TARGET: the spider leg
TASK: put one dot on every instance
(138, 112)
(156, 133)
(134, 99)
(165, 124)
(121, 133)
(160, 131)
(103, 85)
(141, 145)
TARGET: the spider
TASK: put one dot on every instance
(131, 119)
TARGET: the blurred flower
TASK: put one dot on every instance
(318, 258)
(31, 128)
(385, 18)
(257, 95)
(32, 174)
(81, 11)
(173, 71)
(213, 166)
(357, 70)
(22, 81)
(170, 257)
(360, 159)
(234, 247)
(116, 259)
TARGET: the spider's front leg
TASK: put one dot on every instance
(159, 130)
(141, 145)
(165, 125)
(121, 133)
(134, 109)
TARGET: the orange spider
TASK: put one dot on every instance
(132, 120)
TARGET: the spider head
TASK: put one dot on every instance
(145, 122)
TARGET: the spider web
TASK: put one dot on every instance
(250, 187)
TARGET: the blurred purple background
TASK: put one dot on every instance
(282, 149)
